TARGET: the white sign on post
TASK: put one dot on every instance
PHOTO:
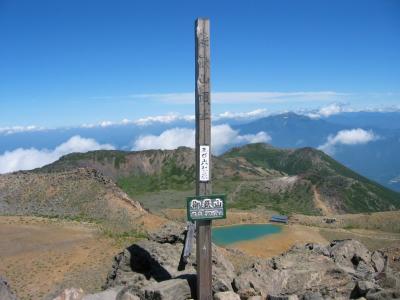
(204, 163)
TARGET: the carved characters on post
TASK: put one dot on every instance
(203, 57)
(203, 68)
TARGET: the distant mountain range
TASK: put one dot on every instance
(303, 181)
(377, 159)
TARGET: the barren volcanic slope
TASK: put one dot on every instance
(79, 194)
(302, 180)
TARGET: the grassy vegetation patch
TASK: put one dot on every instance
(172, 177)
(299, 199)
(124, 238)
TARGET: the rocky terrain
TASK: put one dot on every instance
(343, 269)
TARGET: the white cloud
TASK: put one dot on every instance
(250, 115)
(326, 111)
(332, 109)
(337, 108)
(174, 117)
(106, 123)
(221, 137)
(169, 139)
(16, 129)
(248, 97)
(169, 118)
(145, 121)
(27, 159)
(348, 137)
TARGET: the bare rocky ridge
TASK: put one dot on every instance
(82, 194)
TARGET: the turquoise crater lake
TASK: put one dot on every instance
(226, 235)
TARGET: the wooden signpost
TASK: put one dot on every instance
(204, 207)
(203, 156)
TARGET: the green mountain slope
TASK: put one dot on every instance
(302, 180)
(344, 189)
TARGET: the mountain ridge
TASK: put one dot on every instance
(286, 180)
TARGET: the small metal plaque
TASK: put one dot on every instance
(204, 156)
(206, 207)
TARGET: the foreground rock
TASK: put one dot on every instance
(5, 291)
(78, 294)
(342, 270)
(147, 263)
(152, 269)
(226, 296)
(70, 294)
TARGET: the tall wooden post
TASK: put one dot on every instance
(203, 170)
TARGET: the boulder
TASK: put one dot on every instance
(312, 296)
(256, 298)
(341, 270)
(5, 290)
(388, 280)
(229, 295)
(153, 269)
(173, 289)
(110, 294)
(170, 233)
(344, 251)
(284, 297)
(295, 272)
(70, 294)
(158, 259)
(128, 296)
(362, 288)
(378, 261)
(383, 295)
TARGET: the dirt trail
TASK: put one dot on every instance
(325, 209)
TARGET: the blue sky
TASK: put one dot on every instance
(70, 62)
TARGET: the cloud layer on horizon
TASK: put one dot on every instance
(222, 136)
(169, 118)
(356, 136)
(15, 129)
(27, 159)
(248, 97)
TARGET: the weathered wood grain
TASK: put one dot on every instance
(203, 137)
